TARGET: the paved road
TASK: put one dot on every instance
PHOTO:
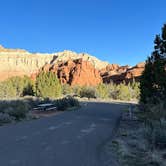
(67, 139)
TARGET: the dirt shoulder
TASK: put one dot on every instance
(130, 147)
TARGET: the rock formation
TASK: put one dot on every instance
(17, 62)
(70, 67)
(75, 72)
(123, 73)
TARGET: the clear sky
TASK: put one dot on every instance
(118, 31)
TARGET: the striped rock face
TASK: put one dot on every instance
(70, 67)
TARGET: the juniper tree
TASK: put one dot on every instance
(153, 80)
(48, 85)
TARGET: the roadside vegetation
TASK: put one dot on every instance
(123, 91)
(153, 92)
(19, 95)
(141, 139)
(16, 110)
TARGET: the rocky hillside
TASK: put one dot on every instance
(16, 62)
(20, 62)
(70, 67)
(119, 74)
(75, 72)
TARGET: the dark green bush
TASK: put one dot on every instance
(153, 79)
(64, 103)
(48, 85)
(88, 92)
(72, 101)
(5, 118)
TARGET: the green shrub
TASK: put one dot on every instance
(16, 87)
(103, 91)
(77, 90)
(5, 118)
(15, 108)
(123, 92)
(72, 101)
(67, 102)
(134, 88)
(113, 91)
(29, 87)
(67, 89)
(62, 104)
(88, 92)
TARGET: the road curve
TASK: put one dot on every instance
(67, 139)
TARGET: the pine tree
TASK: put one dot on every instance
(153, 80)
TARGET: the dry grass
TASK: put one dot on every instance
(132, 148)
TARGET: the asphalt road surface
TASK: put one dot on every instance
(68, 139)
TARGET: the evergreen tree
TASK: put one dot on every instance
(153, 80)
(48, 85)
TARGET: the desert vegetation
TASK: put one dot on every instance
(19, 95)
(120, 91)
(153, 92)
(47, 85)
(15, 110)
(16, 87)
(123, 91)
(141, 139)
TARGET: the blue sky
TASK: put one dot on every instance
(118, 31)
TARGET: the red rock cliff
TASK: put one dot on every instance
(75, 72)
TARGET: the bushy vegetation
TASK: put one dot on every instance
(65, 103)
(103, 91)
(48, 85)
(14, 109)
(16, 87)
(153, 93)
(20, 94)
(88, 92)
(67, 90)
(122, 91)
(5, 118)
